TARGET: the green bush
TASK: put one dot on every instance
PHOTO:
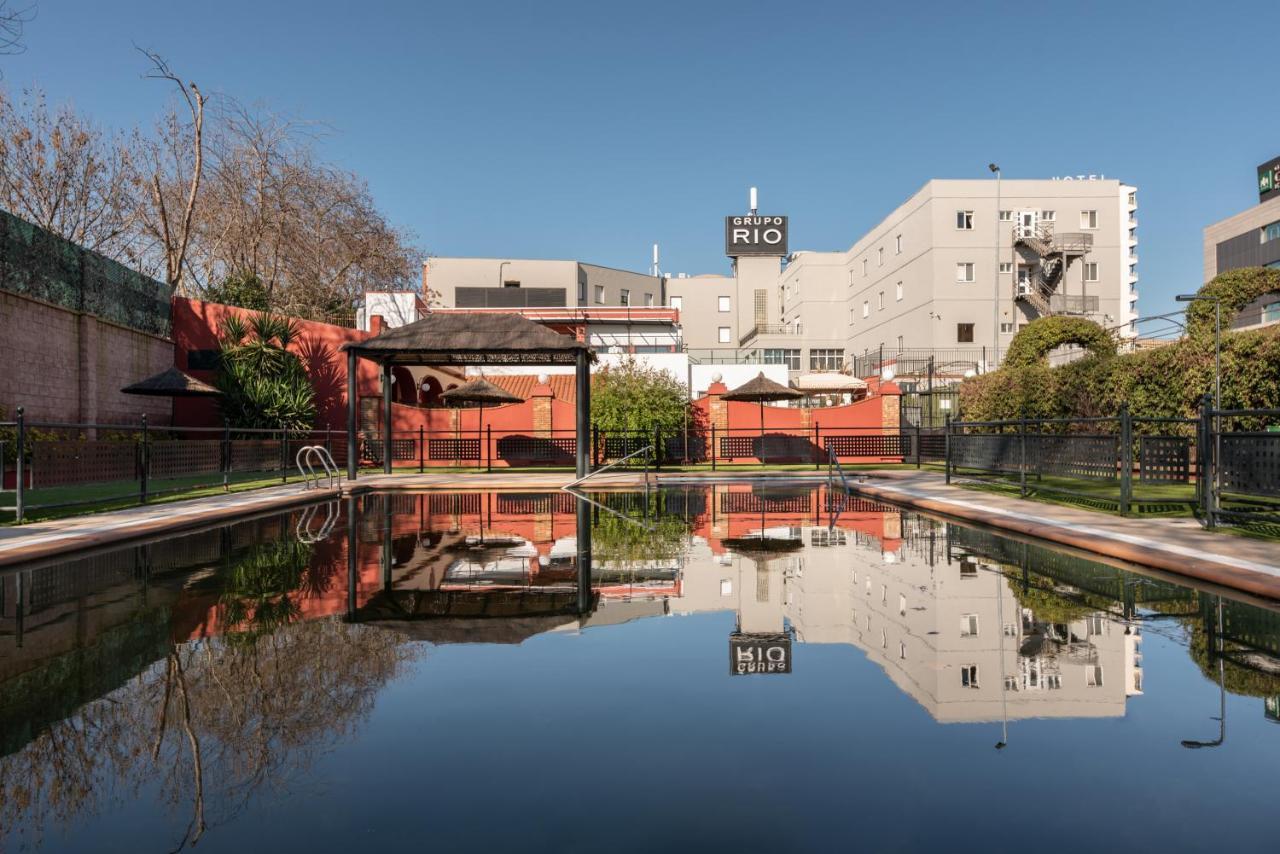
(1236, 289)
(263, 385)
(1035, 340)
(632, 397)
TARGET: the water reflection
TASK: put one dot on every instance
(214, 666)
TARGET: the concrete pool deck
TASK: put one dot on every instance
(1178, 546)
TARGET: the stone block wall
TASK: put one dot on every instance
(64, 366)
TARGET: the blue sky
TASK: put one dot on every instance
(590, 130)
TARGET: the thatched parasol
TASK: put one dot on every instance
(171, 383)
(759, 390)
(480, 392)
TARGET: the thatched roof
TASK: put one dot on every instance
(761, 389)
(479, 391)
(171, 383)
(467, 338)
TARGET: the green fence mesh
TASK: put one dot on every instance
(38, 264)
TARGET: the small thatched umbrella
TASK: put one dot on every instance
(171, 383)
(759, 390)
(479, 392)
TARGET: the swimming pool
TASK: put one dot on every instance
(715, 666)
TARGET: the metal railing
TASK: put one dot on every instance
(310, 477)
(646, 451)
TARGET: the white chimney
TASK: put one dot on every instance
(753, 201)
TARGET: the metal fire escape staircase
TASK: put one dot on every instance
(1055, 253)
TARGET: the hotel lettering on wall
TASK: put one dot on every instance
(755, 235)
(1269, 179)
(750, 653)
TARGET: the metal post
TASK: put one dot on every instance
(422, 459)
(144, 462)
(1126, 459)
(353, 451)
(582, 420)
(946, 452)
(657, 449)
(917, 446)
(1216, 422)
(995, 275)
(19, 498)
(488, 447)
(226, 456)
(817, 449)
(583, 519)
(595, 445)
(353, 547)
(713, 446)
(1209, 468)
(386, 418)
(1022, 457)
(284, 456)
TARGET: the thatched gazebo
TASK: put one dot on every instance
(465, 339)
(171, 383)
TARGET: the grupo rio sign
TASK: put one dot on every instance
(755, 235)
(758, 653)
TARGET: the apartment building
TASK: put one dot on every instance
(535, 283)
(956, 270)
(1250, 238)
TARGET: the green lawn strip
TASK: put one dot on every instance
(100, 497)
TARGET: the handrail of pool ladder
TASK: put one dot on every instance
(646, 450)
(833, 462)
(306, 454)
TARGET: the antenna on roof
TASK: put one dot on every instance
(753, 201)
(654, 270)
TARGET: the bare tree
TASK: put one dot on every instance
(172, 166)
(13, 21)
(64, 174)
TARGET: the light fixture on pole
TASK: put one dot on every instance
(500, 266)
(995, 311)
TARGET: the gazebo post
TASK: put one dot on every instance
(386, 418)
(353, 452)
(582, 404)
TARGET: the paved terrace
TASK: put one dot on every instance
(1178, 546)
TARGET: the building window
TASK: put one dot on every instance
(1133, 198)
(676, 302)
(1006, 216)
(600, 294)
(964, 333)
(866, 308)
(899, 343)
(1006, 267)
(582, 291)
(964, 271)
(1271, 232)
(969, 675)
(511, 283)
(881, 298)
(1006, 328)
(1271, 313)
(1093, 676)
(851, 316)
(898, 291)
(724, 335)
(969, 626)
(722, 305)
(1091, 271)
(897, 245)
(880, 257)
(1048, 216)
(625, 298)
(648, 299)
(1088, 219)
(864, 266)
(790, 358)
(826, 359)
(964, 220)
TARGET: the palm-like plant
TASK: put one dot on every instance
(263, 385)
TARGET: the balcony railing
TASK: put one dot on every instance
(768, 329)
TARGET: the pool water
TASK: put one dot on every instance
(716, 667)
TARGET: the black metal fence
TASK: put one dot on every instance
(1222, 464)
(51, 465)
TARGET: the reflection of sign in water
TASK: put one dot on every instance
(759, 653)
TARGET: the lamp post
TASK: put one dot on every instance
(1217, 393)
(1194, 744)
(500, 266)
(995, 311)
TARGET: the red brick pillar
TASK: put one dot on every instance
(717, 409)
(890, 407)
(541, 398)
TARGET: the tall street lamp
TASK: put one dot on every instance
(995, 312)
(500, 266)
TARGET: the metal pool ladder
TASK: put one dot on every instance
(646, 450)
(308, 454)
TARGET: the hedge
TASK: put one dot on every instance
(1035, 340)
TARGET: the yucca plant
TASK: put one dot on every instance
(263, 385)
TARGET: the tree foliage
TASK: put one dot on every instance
(633, 397)
(244, 290)
(1034, 341)
(263, 385)
(1167, 381)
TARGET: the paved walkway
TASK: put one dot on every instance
(1179, 546)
